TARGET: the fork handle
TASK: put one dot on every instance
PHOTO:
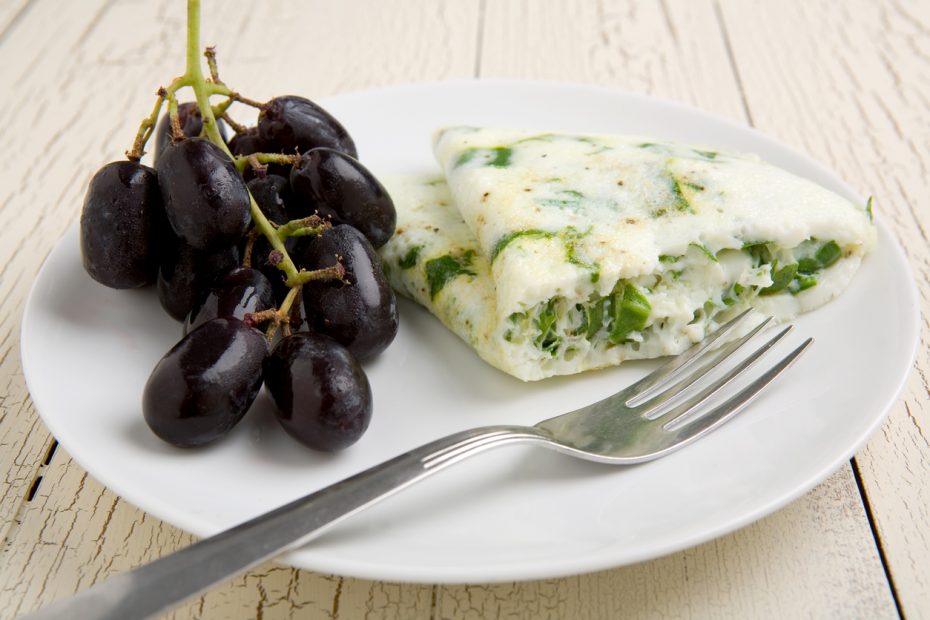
(162, 584)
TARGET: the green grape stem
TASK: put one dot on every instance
(220, 108)
(265, 158)
(203, 89)
(276, 316)
(313, 225)
(176, 132)
(243, 100)
(230, 121)
(210, 55)
(146, 129)
(250, 240)
(194, 74)
(336, 272)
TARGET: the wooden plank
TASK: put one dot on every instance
(74, 533)
(853, 89)
(38, 199)
(322, 48)
(49, 558)
(672, 50)
(85, 76)
(744, 575)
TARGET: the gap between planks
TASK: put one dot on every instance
(16, 17)
(479, 38)
(882, 554)
(728, 46)
(38, 478)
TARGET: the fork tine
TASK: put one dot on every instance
(649, 402)
(667, 372)
(689, 405)
(697, 427)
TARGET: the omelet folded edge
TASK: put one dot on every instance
(437, 259)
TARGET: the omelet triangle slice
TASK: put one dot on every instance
(557, 253)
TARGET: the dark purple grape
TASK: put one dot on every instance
(246, 142)
(188, 118)
(332, 179)
(293, 124)
(272, 194)
(261, 252)
(185, 271)
(279, 204)
(321, 394)
(361, 315)
(191, 125)
(205, 198)
(120, 224)
(204, 385)
(234, 294)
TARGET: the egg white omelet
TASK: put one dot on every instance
(552, 253)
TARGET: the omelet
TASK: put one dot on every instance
(552, 254)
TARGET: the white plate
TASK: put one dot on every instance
(508, 515)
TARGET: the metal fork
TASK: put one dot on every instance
(649, 419)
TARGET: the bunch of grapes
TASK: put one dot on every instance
(263, 245)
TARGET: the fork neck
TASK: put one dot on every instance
(459, 446)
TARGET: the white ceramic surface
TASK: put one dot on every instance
(519, 513)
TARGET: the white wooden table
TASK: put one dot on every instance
(849, 83)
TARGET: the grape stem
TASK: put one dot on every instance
(229, 121)
(176, 132)
(250, 240)
(220, 108)
(203, 90)
(194, 78)
(265, 158)
(245, 100)
(210, 55)
(194, 74)
(336, 272)
(312, 225)
(146, 129)
(275, 316)
(282, 315)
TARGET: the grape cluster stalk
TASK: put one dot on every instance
(275, 227)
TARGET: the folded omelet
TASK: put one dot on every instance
(552, 253)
